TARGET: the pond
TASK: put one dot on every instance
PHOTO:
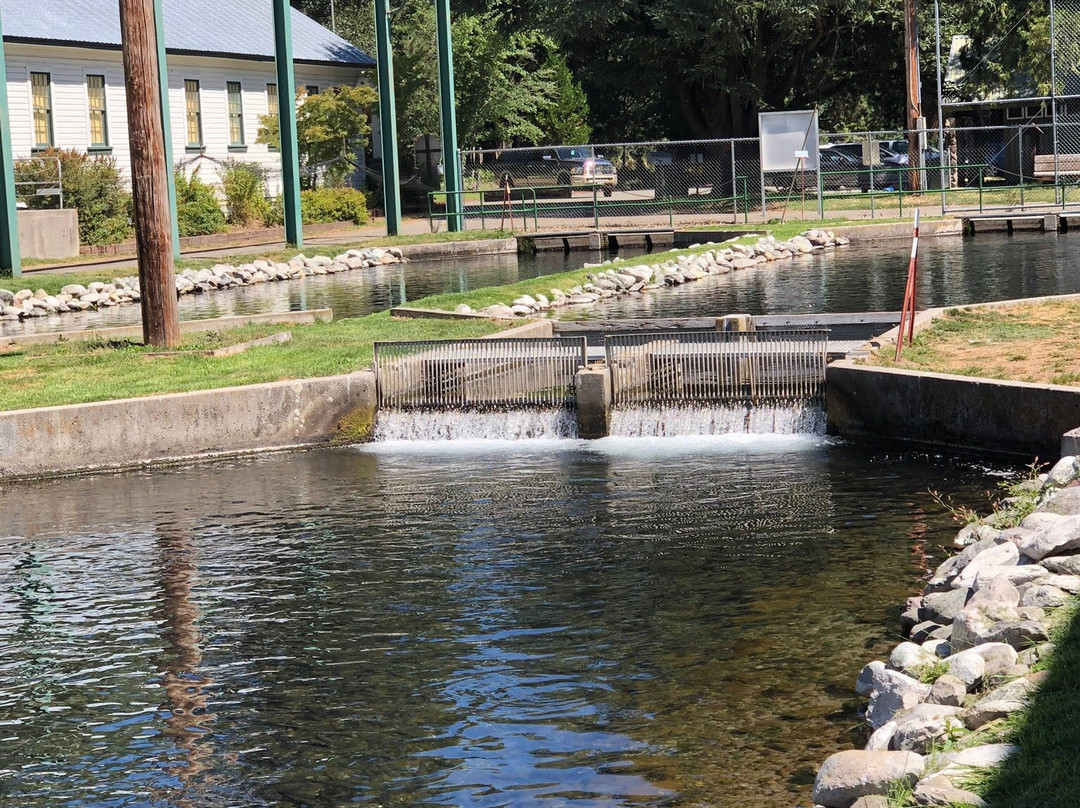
(629, 622)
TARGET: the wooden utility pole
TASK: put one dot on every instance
(914, 94)
(149, 174)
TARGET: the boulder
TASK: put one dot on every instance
(951, 567)
(1047, 597)
(967, 666)
(1019, 634)
(910, 618)
(939, 790)
(998, 656)
(942, 607)
(871, 801)
(994, 589)
(928, 630)
(911, 658)
(1063, 565)
(1056, 538)
(1064, 472)
(1014, 576)
(1066, 583)
(924, 724)
(869, 678)
(894, 692)
(881, 737)
(1039, 520)
(1000, 702)
(968, 761)
(1001, 555)
(846, 776)
(972, 626)
(1065, 502)
(947, 690)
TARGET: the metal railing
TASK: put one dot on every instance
(478, 373)
(38, 179)
(753, 367)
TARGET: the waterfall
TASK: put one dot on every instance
(778, 419)
(435, 425)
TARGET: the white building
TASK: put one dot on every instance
(65, 77)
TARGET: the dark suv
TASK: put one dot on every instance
(550, 166)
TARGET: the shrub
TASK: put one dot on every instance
(333, 205)
(245, 193)
(92, 185)
(198, 212)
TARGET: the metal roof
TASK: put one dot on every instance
(231, 28)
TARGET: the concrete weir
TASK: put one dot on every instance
(180, 427)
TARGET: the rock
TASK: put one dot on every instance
(994, 589)
(911, 658)
(1038, 520)
(948, 690)
(923, 725)
(930, 631)
(967, 666)
(949, 568)
(463, 308)
(583, 299)
(1065, 502)
(1048, 597)
(1001, 555)
(1063, 565)
(1019, 634)
(881, 737)
(869, 678)
(1000, 702)
(1014, 576)
(972, 626)
(73, 289)
(967, 761)
(1064, 472)
(998, 656)
(942, 607)
(497, 310)
(939, 790)
(1056, 538)
(1066, 583)
(910, 618)
(940, 648)
(522, 311)
(1017, 535)
(871, 801)
(893, 693)
(846, 776)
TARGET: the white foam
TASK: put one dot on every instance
(456, 425)
(789, 419)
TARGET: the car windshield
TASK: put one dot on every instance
(574, 152)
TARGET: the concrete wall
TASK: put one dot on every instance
(956, 412)
(183, 426)
(49, 233)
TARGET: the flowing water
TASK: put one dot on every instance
(627, 622)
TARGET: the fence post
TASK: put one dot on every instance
(595, 211)
(1020, 162)
(10, 257)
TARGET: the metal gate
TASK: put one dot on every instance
(753, 367)
(478, 373)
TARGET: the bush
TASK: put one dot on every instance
(92, 185)
(245, 193)
(333, 205)
(198, 212)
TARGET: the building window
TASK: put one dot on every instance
(193, 108)
(41, 91)
(312, 89)
(272, 108)
(236, 113)
(99, 122)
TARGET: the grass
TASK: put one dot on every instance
(80, 372)
(1046, 770)
(1029, 342)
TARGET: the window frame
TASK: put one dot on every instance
(38, 146)
(273, 109)
(196, 145)
(105, 144)
(235, 117)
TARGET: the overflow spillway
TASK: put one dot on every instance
(689, 382)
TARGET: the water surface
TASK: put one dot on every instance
(630, 622)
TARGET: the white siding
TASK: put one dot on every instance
(68, 68)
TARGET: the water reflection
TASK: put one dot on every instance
(623, 623)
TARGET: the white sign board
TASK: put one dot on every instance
(787, 135)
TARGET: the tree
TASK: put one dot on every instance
(566, 120)
(330, 128)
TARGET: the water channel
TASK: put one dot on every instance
(670, 622)
(632, 622)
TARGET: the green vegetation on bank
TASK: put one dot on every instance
(78, 372)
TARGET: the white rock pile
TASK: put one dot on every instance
(972, 638)
(122, 291)
(623, 279)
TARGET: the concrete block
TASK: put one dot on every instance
(49, 233)
(593, 386)
(1070, 443)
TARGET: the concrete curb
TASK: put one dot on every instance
(898, 230)
(182, 427)
(462, 249)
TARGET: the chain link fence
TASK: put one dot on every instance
(881, 174)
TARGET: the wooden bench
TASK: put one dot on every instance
(1068, 166)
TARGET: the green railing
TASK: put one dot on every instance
(525, 203)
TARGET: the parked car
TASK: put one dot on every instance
(839, 172)
(562, 166)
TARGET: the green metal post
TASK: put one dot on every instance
(10, 257)
(448, 116)
(388, 119)
(286, 90)
(163, 80)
